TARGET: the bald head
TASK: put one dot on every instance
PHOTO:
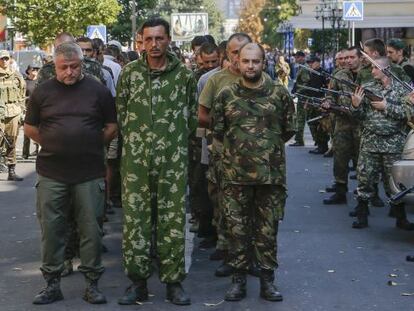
(63, 37)
(253, 47)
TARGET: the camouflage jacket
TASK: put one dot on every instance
(253, 125)
(89, 66)
(383, 131)
(302, 78)
(342, 100)
(12, 94)
(365, 75)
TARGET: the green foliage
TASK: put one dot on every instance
(250, 22)
(121, 30)
(41, 20)
(326, 40)
(273, 13)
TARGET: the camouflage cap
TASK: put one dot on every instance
(4, 53)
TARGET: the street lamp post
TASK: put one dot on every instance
(329, 10)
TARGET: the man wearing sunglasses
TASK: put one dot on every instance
(12, 100)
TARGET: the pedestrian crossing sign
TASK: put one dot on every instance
(353, 10)
(96, 31)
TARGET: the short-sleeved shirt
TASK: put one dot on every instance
(71, 119)
(214, 85)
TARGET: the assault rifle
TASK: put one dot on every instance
(387, 71)
(316, 102)
(404, 191)
(353, 86)
(3, 135)
(325, 90)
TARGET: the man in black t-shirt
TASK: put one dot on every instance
(72, 117)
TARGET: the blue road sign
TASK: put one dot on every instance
(353, 10)
(96, 31)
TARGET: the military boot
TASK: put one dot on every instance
(376, 200)
(92, 294)
(401, 217)
(268, 290)
(177, 295)
(237, 290)
(361, 214)
(12, 174)
(50, 293)
(339, 197)
(224, 270)
(137, 291)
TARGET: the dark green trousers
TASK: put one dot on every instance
(55, 202)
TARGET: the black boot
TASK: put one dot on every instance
(50, 293)
(177, 295)
(12, 174)
(137, 291)
(268, 290)
(361, 214)
(339, 197)
(331, 188)
(354, 212)
(237, 290)
(376, 200)
(92, 294)
(401, 217)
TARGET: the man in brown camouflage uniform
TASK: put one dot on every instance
(12, 96)
(253, 118)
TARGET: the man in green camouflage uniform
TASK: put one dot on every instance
(12, 95)
(207, 102)
(156, 111)
(253, 119)
(382, 140)
(347, 132)
(302, 78)
(376, 48)
(396, 52)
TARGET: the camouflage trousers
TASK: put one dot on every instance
(11, 131)
(345, 147)
(319, 135)
(300, 123)
(370, 165)
(150, 202)
(252, 215)
(219, 220)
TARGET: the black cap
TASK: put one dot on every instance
(299, 53)
(312, 59)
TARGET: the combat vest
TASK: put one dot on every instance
(12, 92)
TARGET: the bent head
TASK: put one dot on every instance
(68, 62)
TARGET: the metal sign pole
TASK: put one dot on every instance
(353, 33)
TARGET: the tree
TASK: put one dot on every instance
(250, 21)
(41, 20)
(273, 14)
(121, 30)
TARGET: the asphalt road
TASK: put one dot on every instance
(324, 263)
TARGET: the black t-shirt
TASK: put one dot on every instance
(71, 119)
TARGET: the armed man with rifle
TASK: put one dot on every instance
(382, 139)
(346, 136)
(375, 48)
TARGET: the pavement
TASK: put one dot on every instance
(324, 264)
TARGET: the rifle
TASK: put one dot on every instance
(325, 90)
(3, 135)
(316, 119)
(353, 86)
(387, 71)
(401, 194)
(316, 102)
